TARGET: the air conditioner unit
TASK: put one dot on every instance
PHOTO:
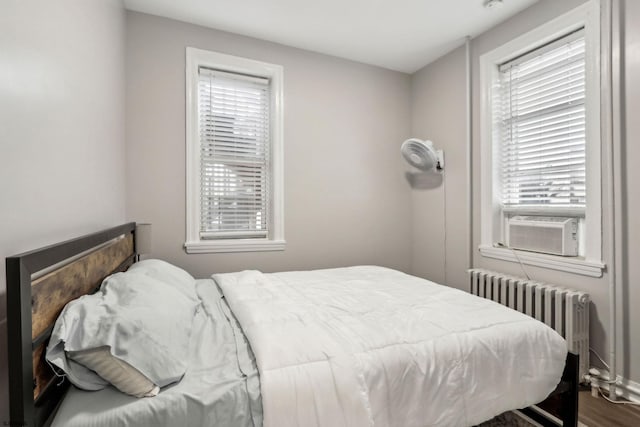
(549, 235)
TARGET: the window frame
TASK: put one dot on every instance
(491, 214)
(274, 241)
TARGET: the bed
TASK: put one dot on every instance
(356, 346)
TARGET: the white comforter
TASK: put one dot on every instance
(364, 346)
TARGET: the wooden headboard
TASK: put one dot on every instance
(39, 284)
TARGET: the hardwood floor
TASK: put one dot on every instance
(597, 412)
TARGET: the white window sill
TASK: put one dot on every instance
(234, 245)
(554, 262)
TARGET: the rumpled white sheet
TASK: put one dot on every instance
(365, 346)
(220, 387)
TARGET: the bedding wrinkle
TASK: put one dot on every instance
(245, 363)
(335, 379)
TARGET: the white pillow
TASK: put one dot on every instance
(144, 322)
(167, 273)
(119, 373)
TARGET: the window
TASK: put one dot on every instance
(541, 125)
(540, 142)
(234, 154)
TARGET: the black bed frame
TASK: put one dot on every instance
(24, 410)
(562, 403)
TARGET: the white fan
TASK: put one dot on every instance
(421, 155)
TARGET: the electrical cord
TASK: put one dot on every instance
(617, 402)
(502, 245)
(444, 215)
(606, 365)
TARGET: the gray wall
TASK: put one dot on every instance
(61, 128)
(346, 201)
(438, 101)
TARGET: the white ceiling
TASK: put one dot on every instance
(401, 35)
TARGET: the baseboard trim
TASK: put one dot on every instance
(630, 389)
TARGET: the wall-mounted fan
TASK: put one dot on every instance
(421, 155)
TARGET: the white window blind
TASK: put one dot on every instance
(541, 121)
(234, 125)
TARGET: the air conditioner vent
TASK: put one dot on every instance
(551, 235)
